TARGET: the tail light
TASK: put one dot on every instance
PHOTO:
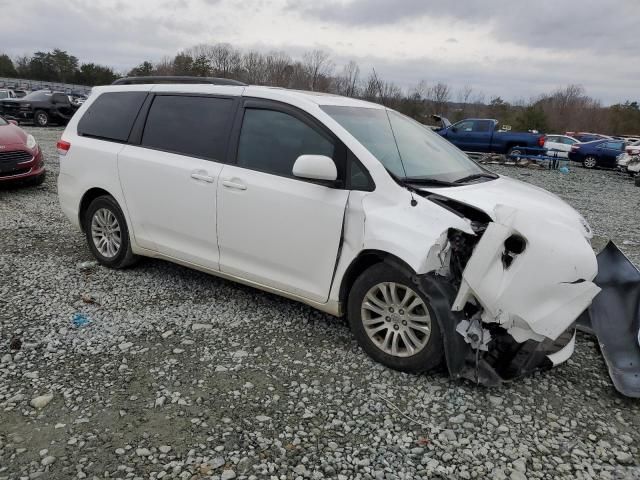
(541, 141)
(63, 147)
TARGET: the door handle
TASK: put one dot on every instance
(202, 176)
(234, 185)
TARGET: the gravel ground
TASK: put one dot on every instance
(183, 375)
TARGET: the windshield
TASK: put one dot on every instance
(406, 148)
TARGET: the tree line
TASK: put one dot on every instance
(567, 108)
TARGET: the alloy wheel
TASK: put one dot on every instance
(590, 162)
(42, 120)
(396, 319)
(106, 233)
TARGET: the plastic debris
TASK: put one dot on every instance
(80, 320)
(564, 169)
(87, 265)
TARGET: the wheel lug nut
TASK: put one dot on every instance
(388, 319)
(391, 309)
(404, 322)
(401, 312)
(396, 327)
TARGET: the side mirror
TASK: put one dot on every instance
(315, 167)
(13, 122)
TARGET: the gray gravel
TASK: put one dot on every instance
(183, 375)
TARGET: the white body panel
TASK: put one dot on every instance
(279, 231)
(171, 200)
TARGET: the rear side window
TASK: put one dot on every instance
(189, 125)
(483, 126)
(271, 141)
(111, 116)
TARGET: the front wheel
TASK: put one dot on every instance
(107, 233)
(41, 118)
(590, 162)
(393, 322)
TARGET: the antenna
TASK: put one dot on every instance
(379, 85)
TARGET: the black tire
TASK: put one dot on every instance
(41, 118)
(124, 256)
(590, 162)
(39, 180)
(637, 180)
(429, 358)
(514, 152)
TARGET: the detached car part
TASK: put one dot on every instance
(614, 318)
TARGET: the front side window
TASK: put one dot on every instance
(189, 125)
(271, 141)
(464, 126)
(406, 148)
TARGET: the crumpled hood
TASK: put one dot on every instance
(486, 196)
(12, 135)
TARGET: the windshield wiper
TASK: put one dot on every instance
(475, 176)
(428, 182)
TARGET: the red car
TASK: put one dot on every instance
(20, 155)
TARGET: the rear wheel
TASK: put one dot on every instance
(590, 162)
(107, 233)
(41, 118)
(514, 153)
(393, 322)
(637, 180)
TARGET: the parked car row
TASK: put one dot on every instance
(42, 107)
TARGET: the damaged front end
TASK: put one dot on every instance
(514, 290)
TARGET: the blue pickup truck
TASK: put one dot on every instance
(484, 135)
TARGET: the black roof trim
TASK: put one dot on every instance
(177, 79)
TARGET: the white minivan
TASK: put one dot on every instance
(345, 205)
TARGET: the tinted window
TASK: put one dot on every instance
(60, 98)
(271, 141)
(465, 126)
(358, 177)
(38, 95)
(111, 116)
(483, 126)
(195, 126)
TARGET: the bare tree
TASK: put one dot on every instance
(317, 64)
(439, 96)
(347, 82)
(464, 97)
(254, 68)
(278, 69)
(225, 60)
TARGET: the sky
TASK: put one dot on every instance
(516, 49)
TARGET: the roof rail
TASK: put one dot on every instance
(176, 79)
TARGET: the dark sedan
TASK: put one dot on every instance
(599, 153)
